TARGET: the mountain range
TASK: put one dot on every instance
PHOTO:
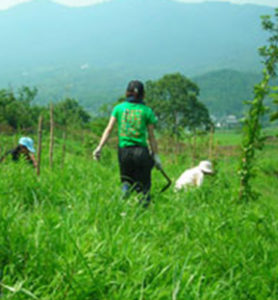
(90, 53)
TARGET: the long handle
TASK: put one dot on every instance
(169, 181)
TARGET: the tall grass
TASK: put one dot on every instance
(70, 235)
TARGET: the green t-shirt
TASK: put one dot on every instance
(133, 119)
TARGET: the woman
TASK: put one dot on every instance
(135, 122)
(25, 148)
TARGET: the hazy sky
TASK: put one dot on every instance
(261, 2)
(4, 4)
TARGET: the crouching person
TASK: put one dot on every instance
(25, 148)
(194, 176)
(135, 123)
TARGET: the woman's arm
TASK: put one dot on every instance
(104, 138)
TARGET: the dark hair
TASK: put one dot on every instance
(135, 88)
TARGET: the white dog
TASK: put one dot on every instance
(194, 176)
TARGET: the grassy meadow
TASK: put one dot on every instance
(69, 235)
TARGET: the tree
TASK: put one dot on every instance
(16, 110)
(174, 99)
(70, 113)
(270, 54)
(253, 139)
(274, 95)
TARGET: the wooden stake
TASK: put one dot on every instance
(194, 148)
(64, 149)
(211, 138)
(39, 145)
(15, 141)
(51, 144)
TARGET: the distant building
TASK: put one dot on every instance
(218, 125)
(230, 121)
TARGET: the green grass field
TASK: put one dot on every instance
(69, 235)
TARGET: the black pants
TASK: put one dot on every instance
(136, 164)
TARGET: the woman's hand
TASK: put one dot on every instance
(97, 153)
(157, 161)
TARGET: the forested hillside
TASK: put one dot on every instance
(224, 91)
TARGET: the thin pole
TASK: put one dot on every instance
(64, 148)
(51, 144)
(211, 140)
(39, 145)
(15, 141)
(194, 148)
